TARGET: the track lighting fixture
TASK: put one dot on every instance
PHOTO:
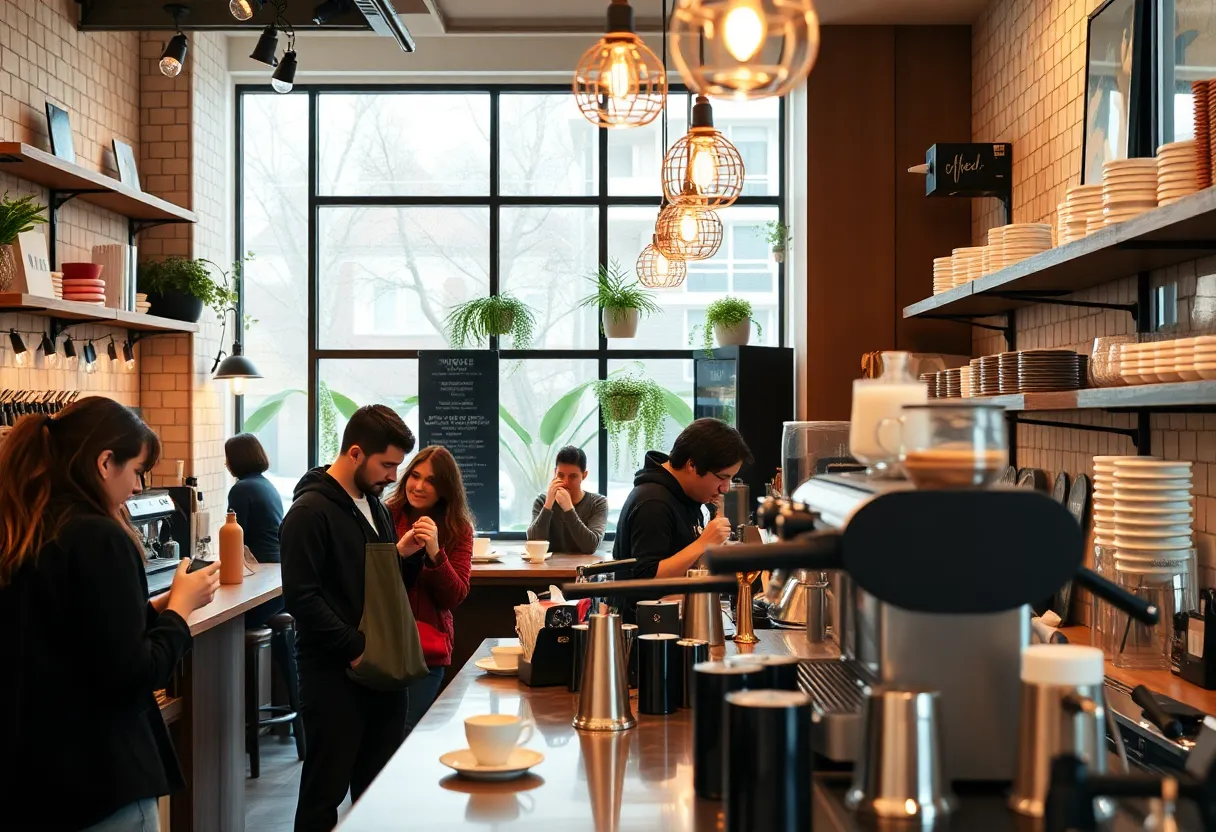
(20, 354)
(69, 353)
(174, 54)
(244, 9)
(48, 351)
(268, 45)
(112, 353)
(90, 358)
(128, 355)
(327, 11)
(284, 77)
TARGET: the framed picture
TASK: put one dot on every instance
(33, 265)
(60, 128)
(1117, 72)
(124, 160)
(1186, 52)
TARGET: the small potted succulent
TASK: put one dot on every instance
(777, 236)
(179, 287)
(632, 407)
(16, 217)
(729, 320)
(472, 323)
(624, 301)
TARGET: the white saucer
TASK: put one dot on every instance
(517, 764)
(493, 557)
(529, 560)
(491, 667)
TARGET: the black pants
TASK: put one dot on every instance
(352, 732)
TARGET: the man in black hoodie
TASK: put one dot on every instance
(662, 523)
(351, 730)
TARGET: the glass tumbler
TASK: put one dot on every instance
(951, 445)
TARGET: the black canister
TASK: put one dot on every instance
(711, 682)
(692, 651)
(768, 761)
(658, 672)
(658, 617)
(780, 672)
(578, 644)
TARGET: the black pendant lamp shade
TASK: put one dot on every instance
(284, 77)
(236, 366)
(268, 45)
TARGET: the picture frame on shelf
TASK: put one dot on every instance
(59, 126)
(124, 162)
(1117, 71)
(33, 266)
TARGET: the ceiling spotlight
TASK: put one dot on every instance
(128, 355)
(112, 352)
(20, 353)
(69, 353)
(48, 351)
(327, 11)
(174, 54)
(244, 9)
(268, 45)
(90, 358)
(284, 77)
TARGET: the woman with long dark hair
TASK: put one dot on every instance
(431, 513)
(81, 647)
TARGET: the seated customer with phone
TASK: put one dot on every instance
(571, 519)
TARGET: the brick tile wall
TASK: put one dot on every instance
(1028, 73)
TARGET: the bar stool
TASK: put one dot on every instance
(280, 638)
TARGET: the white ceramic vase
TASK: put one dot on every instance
(733, 336)
(779, 255)
(620, 323)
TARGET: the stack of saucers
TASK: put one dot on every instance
(1041, 371)
(1008, 369)
(990, 375)
(141, 303)
(57, 283)
(996, 252)
(1177, 172)
(954, 383)
(943, 274)
(1153, 516)
(967, 264)
(1024, 239)
(930, 381)
(964, 376)
(942, 389)
(1083, 206)
(1129, 188)
(1203, 134)
(977, 376)
(1104, 500)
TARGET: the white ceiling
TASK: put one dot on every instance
(577, 16)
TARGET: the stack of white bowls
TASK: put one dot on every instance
(1081, 204)
(1129, 188)
(1024, 239)
(943, 274)
(1158, 362)
(968, 264)
(1104, 500)
(1177, 172)
(1153, 515)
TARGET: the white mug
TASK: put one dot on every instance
(481, 546)
(535, 550)
(492, 737)
(506, 657)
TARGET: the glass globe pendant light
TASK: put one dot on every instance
(744, 49)
(703, 163)
(619, 82)
(656, 271)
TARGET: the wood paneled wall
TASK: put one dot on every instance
(878, 97)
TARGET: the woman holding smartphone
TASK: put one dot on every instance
(81, 647)
(432, 516)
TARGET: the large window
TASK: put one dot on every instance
(371, 213)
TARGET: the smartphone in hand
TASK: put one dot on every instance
(198, 563)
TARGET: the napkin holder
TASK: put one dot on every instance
(554, 651)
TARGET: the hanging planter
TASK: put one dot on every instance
(624, 301)
(634, 408)
(474, 322)
(777, 236)
(729, 320)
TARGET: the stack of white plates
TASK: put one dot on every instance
(996, 253)
(1024, 239)
(1104, 500)
(1153, 514)
(1177, 172)
(57, 284)
(943, 274)
(1129, 188)
(1181, 359)
(965, 381)
(1081, 203)
(967, 264)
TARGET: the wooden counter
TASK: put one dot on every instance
(636, 779)
(558, 568)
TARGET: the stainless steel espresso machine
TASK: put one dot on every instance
(152, 512)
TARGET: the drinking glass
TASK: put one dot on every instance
(951, 445)
(1104, 360)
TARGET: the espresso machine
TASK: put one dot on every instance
(151, 513)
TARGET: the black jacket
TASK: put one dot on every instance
(323, 538)
(81, 651)
(259, 510)
(657, 520)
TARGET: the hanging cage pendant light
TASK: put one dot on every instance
(703, 163)
(619, 82)
(688, 231)
(744, 49)
(657, 271)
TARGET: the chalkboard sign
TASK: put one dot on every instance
(971, 169)
(458, 408)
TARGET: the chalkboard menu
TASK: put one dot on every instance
(458, 408)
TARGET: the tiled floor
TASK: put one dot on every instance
(270, 801)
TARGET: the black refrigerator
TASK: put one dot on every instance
(751, 389)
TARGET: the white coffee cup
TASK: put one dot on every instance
(481, 546)
(492, 737)
(506, 658)
(535, 550)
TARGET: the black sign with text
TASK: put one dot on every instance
(458, 408)
(970, 169)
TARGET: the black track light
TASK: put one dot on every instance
(128, 354)
(268, 45)
(69, 353)
(90, 358)
(244, 9)
(20, 354)
(112, 352)
(327, 11)
(48, 351)
(284, 77)
(174, 54)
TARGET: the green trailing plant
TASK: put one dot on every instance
(18, 216)
(726, 311)
(473, 322)
(776, 234)
(632, 407)
(616, 293)
(195, 278)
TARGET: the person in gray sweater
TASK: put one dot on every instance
(571, 519)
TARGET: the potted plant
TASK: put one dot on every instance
(777, 236)
(473, 322)
(16, 217)
(624, 301)
(178, 288)
(633, 407)
(729, 320)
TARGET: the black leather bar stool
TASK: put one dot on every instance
(280, 637)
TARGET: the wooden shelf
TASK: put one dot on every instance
(69, 310)
(33, 165)
(1158, 238)
(1182, 394)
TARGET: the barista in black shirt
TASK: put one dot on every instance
(663, 523)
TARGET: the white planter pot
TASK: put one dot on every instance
(620, 323)
(733, 336)
(779, 255)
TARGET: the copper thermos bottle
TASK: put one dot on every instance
(232, 551)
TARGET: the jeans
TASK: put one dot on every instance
(140, 816)
(422, 694)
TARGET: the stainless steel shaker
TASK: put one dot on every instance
(603, 703)
(702, 614)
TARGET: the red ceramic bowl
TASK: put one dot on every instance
(81, 271)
